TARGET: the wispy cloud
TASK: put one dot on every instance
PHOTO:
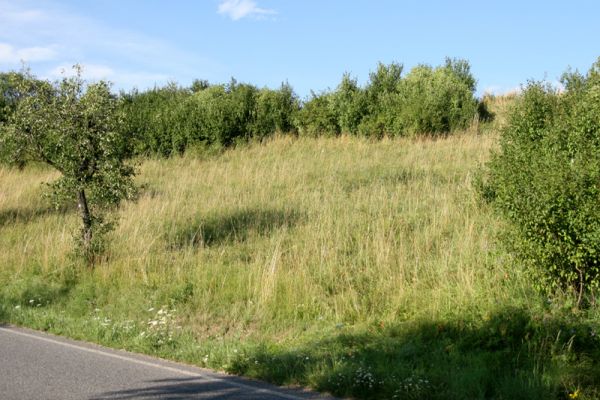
(50, 38)
(11, 55)
(238, 9)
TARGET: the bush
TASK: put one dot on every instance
(274, 111)
(154, 120)
(545, 179)
(439, 100)
(8, 94)
(169, 120)
(383, 101)
(349, 105)
(427, 101)
(318, 116)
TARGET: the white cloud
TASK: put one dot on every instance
(238, 9)
(49, 38)
(88, 71)
(11, 55)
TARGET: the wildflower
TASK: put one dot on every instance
(574, 395)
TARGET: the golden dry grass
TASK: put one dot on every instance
(276, 235)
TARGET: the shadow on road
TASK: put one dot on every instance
(200, 388)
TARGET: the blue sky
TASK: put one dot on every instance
(310, 43)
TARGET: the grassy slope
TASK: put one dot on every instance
(362, 268)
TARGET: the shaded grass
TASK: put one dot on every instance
(232, 228)
(509, 354)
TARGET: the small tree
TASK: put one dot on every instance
(72, 127)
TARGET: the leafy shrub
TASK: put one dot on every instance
(545, 179)
(8, 94)
(427, 101)
(171, 119)
(349, 104)
(274, 111)
(152, 119)
(439, 100)
(318, 116)
(383, 101)
(12, 85)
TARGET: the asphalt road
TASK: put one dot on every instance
(36, 365)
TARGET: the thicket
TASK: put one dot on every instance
(545, 179)
(427, 100)
(171, 119)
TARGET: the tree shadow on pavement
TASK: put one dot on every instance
(228, 388)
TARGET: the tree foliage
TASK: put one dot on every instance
(73, 127)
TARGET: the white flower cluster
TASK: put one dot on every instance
(363, 377)
(117, 327)
(412, 387)
(161, 326)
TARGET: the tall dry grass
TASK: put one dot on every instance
(278, 235)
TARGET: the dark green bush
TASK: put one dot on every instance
(152, 119)
(171, 119)
(274, 111)
(318, 116)
(545, 179)
(8, 95)
(349, 104)
(383, 101)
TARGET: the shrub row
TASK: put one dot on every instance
(171, 119)
(428, 100)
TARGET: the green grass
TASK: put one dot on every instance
(366, 269)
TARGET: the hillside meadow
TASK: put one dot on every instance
(363, 268)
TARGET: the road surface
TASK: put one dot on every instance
(36, 365)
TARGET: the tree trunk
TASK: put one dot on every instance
(87, 220)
